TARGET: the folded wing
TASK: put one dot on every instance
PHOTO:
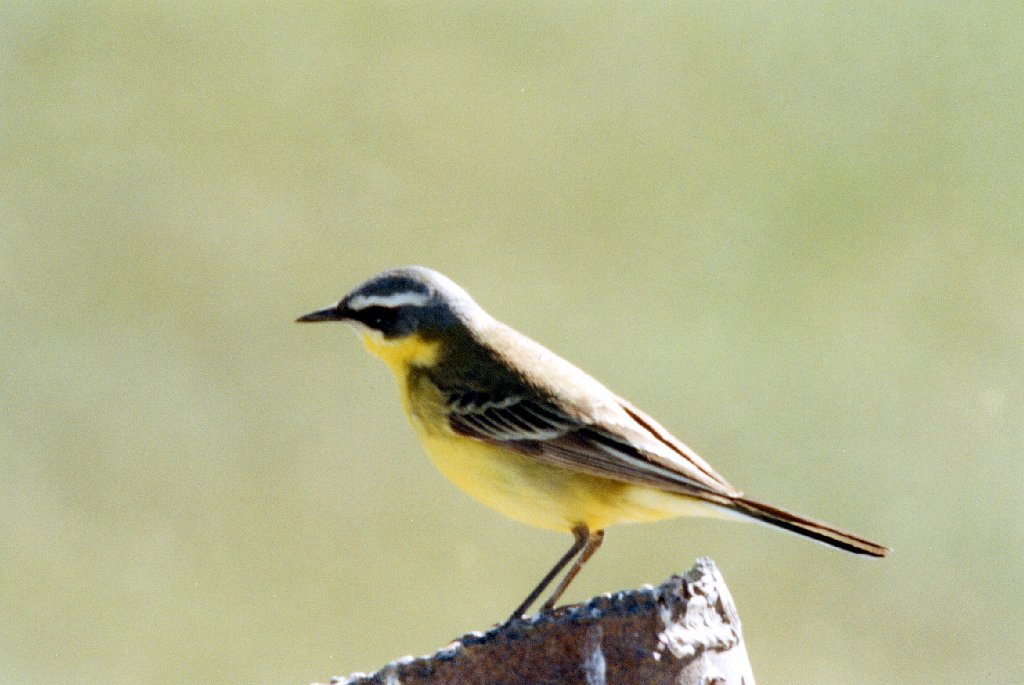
(615, 441)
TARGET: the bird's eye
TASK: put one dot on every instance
(378, 317)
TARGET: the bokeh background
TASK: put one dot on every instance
(792, 232)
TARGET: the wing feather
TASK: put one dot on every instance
(619, 442)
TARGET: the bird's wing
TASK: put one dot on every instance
(615, 441)
(665, 449)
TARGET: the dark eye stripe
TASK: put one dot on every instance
(379, 318)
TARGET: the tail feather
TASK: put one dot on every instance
(815, 530)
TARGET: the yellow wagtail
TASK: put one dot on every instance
(529, 434)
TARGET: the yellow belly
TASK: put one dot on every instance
(548, 496)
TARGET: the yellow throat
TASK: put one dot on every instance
(402, 353)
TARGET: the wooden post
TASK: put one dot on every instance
(684, 632)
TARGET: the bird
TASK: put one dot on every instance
(531, 435)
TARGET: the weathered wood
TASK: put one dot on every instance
(684, 632)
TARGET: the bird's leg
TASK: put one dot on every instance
(582, 535)
(593, 541)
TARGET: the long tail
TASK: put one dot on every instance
(815, 530)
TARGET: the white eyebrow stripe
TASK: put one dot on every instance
(396, 300)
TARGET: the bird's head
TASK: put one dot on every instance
(403, 313)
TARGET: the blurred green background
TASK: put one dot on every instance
(792, 232)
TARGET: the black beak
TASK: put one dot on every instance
(333, 313)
